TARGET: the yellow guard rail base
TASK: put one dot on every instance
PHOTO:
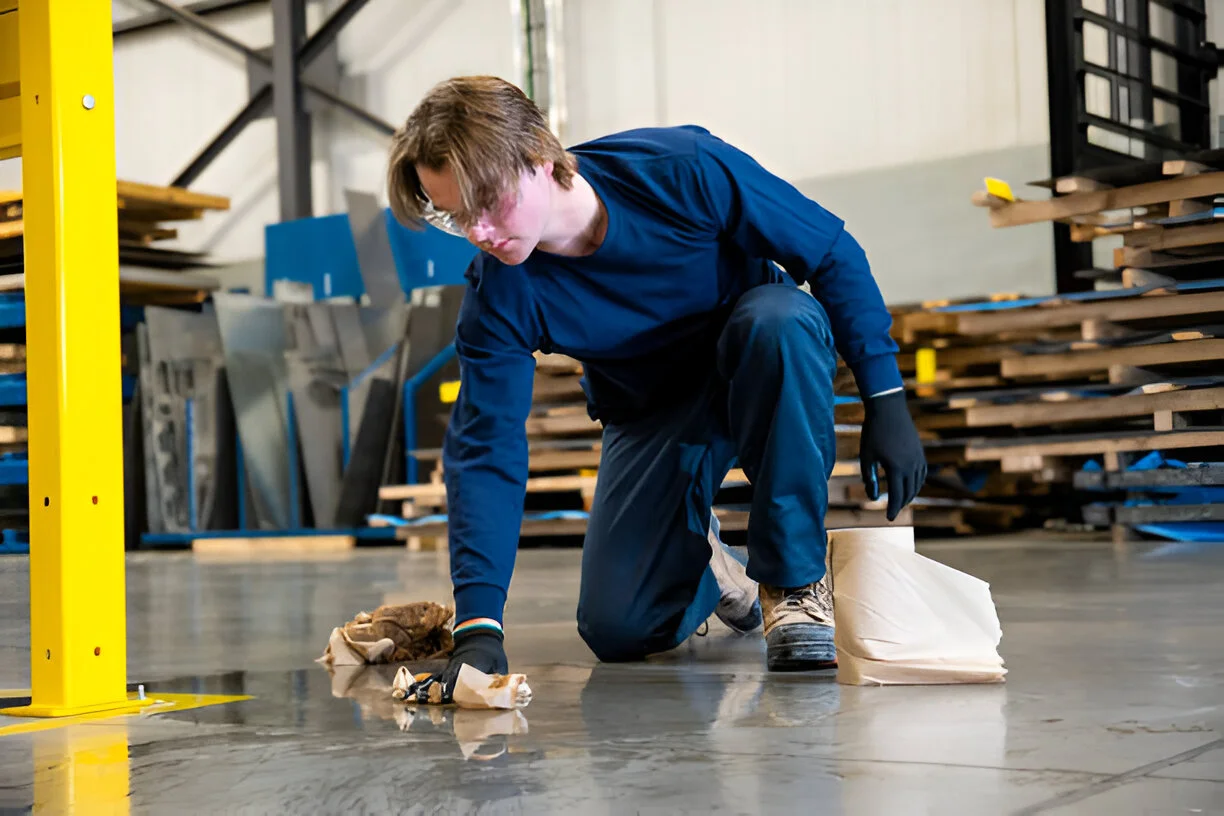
(78, 651)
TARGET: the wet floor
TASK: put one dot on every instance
(1113, 702)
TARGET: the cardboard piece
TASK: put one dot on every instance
(903, 618)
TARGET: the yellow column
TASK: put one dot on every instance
(77, 628)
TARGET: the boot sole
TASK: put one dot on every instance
(800, 647)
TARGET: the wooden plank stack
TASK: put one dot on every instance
(564, 460)
(1105, 406)
(1167, 215)
(152, 273)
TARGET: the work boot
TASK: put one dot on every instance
(739, 606)
(799, 627)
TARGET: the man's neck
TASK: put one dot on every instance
(577, 222)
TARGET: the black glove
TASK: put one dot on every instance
(890, 439)
(479, 648)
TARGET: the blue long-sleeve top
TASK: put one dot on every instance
(692, 224)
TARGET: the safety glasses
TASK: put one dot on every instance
(441, 219)
(452, 224)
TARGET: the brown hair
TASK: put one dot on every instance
(486, 130)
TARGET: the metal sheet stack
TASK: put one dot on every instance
(264, 415)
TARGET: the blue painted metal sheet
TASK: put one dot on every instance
(411, 386)
(429, 257)
(318, 251)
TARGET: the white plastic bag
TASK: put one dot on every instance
(905, 619)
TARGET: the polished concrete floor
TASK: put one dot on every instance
(1114, 703)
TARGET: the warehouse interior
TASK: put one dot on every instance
(226, 547)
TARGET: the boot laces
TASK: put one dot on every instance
(814, 599)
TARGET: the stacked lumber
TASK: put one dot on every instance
(1057, 402)
(1168, 215)
(152, 273)
(564, 452)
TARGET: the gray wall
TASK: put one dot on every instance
(925, 240)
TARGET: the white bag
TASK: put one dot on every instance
(905, 619)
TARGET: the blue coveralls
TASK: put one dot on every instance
(698, 351)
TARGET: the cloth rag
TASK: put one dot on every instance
(392, 634)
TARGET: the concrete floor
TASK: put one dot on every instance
(1113, 702)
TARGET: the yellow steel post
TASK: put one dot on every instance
(77, 626)
(10, 86)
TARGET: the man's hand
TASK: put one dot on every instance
(479, 648)
(890, 439)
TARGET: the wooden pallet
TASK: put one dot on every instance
(1035, 451)
(142, 210)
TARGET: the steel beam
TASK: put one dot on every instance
(195, 22)
(261, 102)
(157, 19)
(292, 121)
(78, 650)
(327, 33)
(253, 110)
(1061, 48)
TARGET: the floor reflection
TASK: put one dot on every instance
(82, 769)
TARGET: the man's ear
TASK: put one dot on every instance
(547, 168)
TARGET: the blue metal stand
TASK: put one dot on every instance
(411, 387)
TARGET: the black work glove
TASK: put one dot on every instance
(891, 440)
(479, 648)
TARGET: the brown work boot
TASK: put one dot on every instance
(799, 627)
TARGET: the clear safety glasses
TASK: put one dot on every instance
(442, 219)
(451, 224)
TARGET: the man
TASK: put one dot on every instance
(669, 263)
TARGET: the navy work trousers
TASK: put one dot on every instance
(646, 580)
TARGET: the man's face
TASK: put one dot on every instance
(508, 231)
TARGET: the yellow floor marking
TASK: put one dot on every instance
(156, 703)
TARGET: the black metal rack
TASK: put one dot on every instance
(1129, 80)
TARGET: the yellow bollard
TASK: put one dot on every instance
(77, 626)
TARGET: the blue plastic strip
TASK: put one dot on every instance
(360, 533)
(12, 390)
(1073, 297)
(393, 521)
(12, 311)
(193, 520)
(374, 366)
(411, 386)
(440, 518)
(1191, 218)
(14, 542)
(14, 469)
